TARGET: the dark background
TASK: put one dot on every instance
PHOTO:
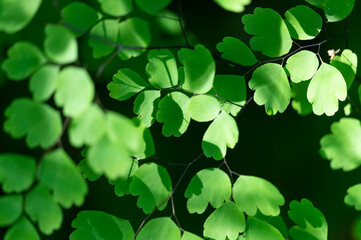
(282, 149)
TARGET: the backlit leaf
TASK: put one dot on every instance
(347, 65)
(199, 69)
(325, 89)
(162, 69)
(38, 117)
(303, 23)
(116, 8)
(96, 225)
(59, 173)
(190, 236)
(226, 222)
(15, 15)
(257, 229)
(43, 83)
(87, 172)
(299, 98)
(42, 208)
(203, 108)
(153, 185)
(159, 228)
(236, 51)
(210, 185)
(133, 32)
(88, 127)
(79, 17)
(146, 106)
(153, 6)
(74, 91)
(146, 148)
(311, 224)
(353, 197)
(17, 172)
(23, 229)
(221, 133)
(317, 3)
(60, 45)
(236, 6)
(263, 24)
(343, 146)
(272, 88)
(232, 88)
(251, 193)
(23, 59)
(302, 66)
(121, 185)
(173, 113)
(125, 84)
(104, 33)
(336, 10)
(11, 207)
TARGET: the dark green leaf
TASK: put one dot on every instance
(11, 207)
(116, 8)
(210, 185)
(23, 59)
(336, 10)
(317, 3)
(146, 148)
(257, 229)
(104, 33)
(88, 173)
(347, 65)
(22, 230)
(153, 185)
(221, 133)
(146, 106)
(153, 6)
(299, 98)
(236, 51)
(17, 172)
(199, 69)
(38, 117)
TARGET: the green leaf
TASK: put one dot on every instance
(226, 222)
(125, 84)
(251, 193)
(22, 230)
(272, 88)
(199, 69)
(122, 184)
(173, 113)
(236, 6)
(343, 146)
(153, 185)
(43, 83)
(221, 133)
(88, 127)
(146, 148)
(79, 17)
(263, 24)
(235, 50)
(210, 185)
(168, 25)
(133, 32)
(42, 208)
(302, 66)
(311, 224)
(203, 108)
(87, 172)
(116, 8)
(74, 91)
(60, 44)
(190, 236)
(325, 89)
(353, 197)
(146, 106)
(162, 69)
(17, 172)
(23, 59)
(96, 225)
(232, 88)
(152, 7)
(347, 65)
(299, 98)
(257, 229)
(104, 33)
(159, 228)
(317, 3)
(11, 207)
(336, 10)
(38, 117)
(303, 23)
(15, 15)
(275, 221)
(59, 173)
